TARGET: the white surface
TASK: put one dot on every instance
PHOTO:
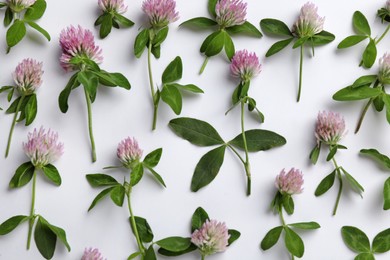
(119, 113)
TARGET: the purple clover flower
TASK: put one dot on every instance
(43, 147)
(19, 5)
(160, 12)
(330, 127)
(289, 183)
(230, 12)
(211, 238)
(245, 65)
(128, 152)
(78, 43)
(309, 22)
(92, 254)
(28, 76)
(116, 6)
(384, 69)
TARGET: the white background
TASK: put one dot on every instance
(118, 113)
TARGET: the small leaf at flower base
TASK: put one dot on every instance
(99, 20)
(258, 140)
(229, 46)
(115, 24)
(12, 108)
(386, 195)
(190, 87)
(198, 218)
(52, 174)
(8, 17)
(305, 225)
(383, 159)
(15, 33)
(325, 184)
(278, 46)
(165, 252)
(365, 256)
(23, 175)
(45, 239)
(245, 28)
(199, 22)
(11, 223)
(156, 51)
(300, 42)
(174, 244)
(234, 235)
(144, 230)
(366, 80)
(100, 196)
(35, 11)
(211, 7)
(322, 38)
(133, 255)
(386, 101)
(351, 41)
(10, 94)
(378, 102)
(100, 180)
(136, 174)
(207, 168)
(171, 95)
(39, 29)
(288, 204)
(293, 242)
(160, 36)
(355, 239)
(271, 238)
(120, 80)
(350, 94)
(173, 72)
(123, 20)
(381, 242)
(140, 42)
(207, 41)
(156, 176)
(89, 81)
(64, 95)
(196, 131)
(315, 153)
(31, 109)
(369, 54)
(331, 153)
(106, 26)
(59, 232)
(360, 23)
(117, 195)
(215, 44)
(105, 78)
(150, 254)
(153, 158)
(354, 183)
(275, 27)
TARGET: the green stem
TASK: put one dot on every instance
(204, 65)
(246, 164)
(203, 257)
(340, 187)
(236, 153)
(362, 115)
(13, 125)
(280, 210)
(32, 217)
(300, 74)
(88, 99)
(133, 224)
(153, 92)
(383, 34)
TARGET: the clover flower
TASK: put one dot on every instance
(384, 69)
(309, 22)
(19, 5)
(28, 76)
(245, 65)
(211, 238)
(330, 127)
(43, 147)
(78, 44)
(92, 254)
(116, 6)
(230, 12)
(289, 183)
(128, 152)
(160, 12)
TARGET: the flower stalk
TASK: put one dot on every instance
(13, 125)
(90, 129)
(300, 74)
(32, 210)
(141, 248)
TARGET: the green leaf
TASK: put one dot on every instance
(364, 80)
(199, 22)
(140, 42)
(331, 154)
(305, 225)
(8, 17)
(59, 232)
(207, 41)
(171, 95)
(45, 239)
(10, 94)
(381, 242)
(150, 254)
(15, 33)
(383, 159)
(360, 23)
(351, 41)
(386, 195)
(173, 72)
(39, 29)
(100, 180)
(99, 20)
(369, 54)
(322, 38)
(288, 204)
(160, 36)
(275, 27)
(349, 93)
(300, 42)
(165, 252)
(234, 235)
(189, 87)
(355, 239)
(89, 81)
(326, 184)
(354, 183)
(207, 168)
(119, 79)
(11, 223)
(156, 51)
(198, 218)
(213, 44)
(133, 255)
(365, 256)
(99, 197)
(278, 46)
(271, 238)
(386, 101)
(136, 174)
(245, 28)
(64, 95)
(153, 158)
(35, 11)
(315, 153)
(144, 230)
(229, 46)
(23, 175)
(196, 131)
(259, 140)
(117, 195)
(52, 174)
(378, 102)
(156, 175)
(293, 242)
(106, 26)
(174, 244)
(123, 20)
(211, 7)
(31, 109)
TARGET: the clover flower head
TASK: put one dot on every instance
(289, 183)
(19, 5)
(128, 152)
(211, 238)
(115, 6)
(230, 12)
(330, 127)
(28, 76)
(384, 69)
(78, 43)
(245, 65)
(92, 254)
(309, 22)
(160, 12)
(43, 147)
